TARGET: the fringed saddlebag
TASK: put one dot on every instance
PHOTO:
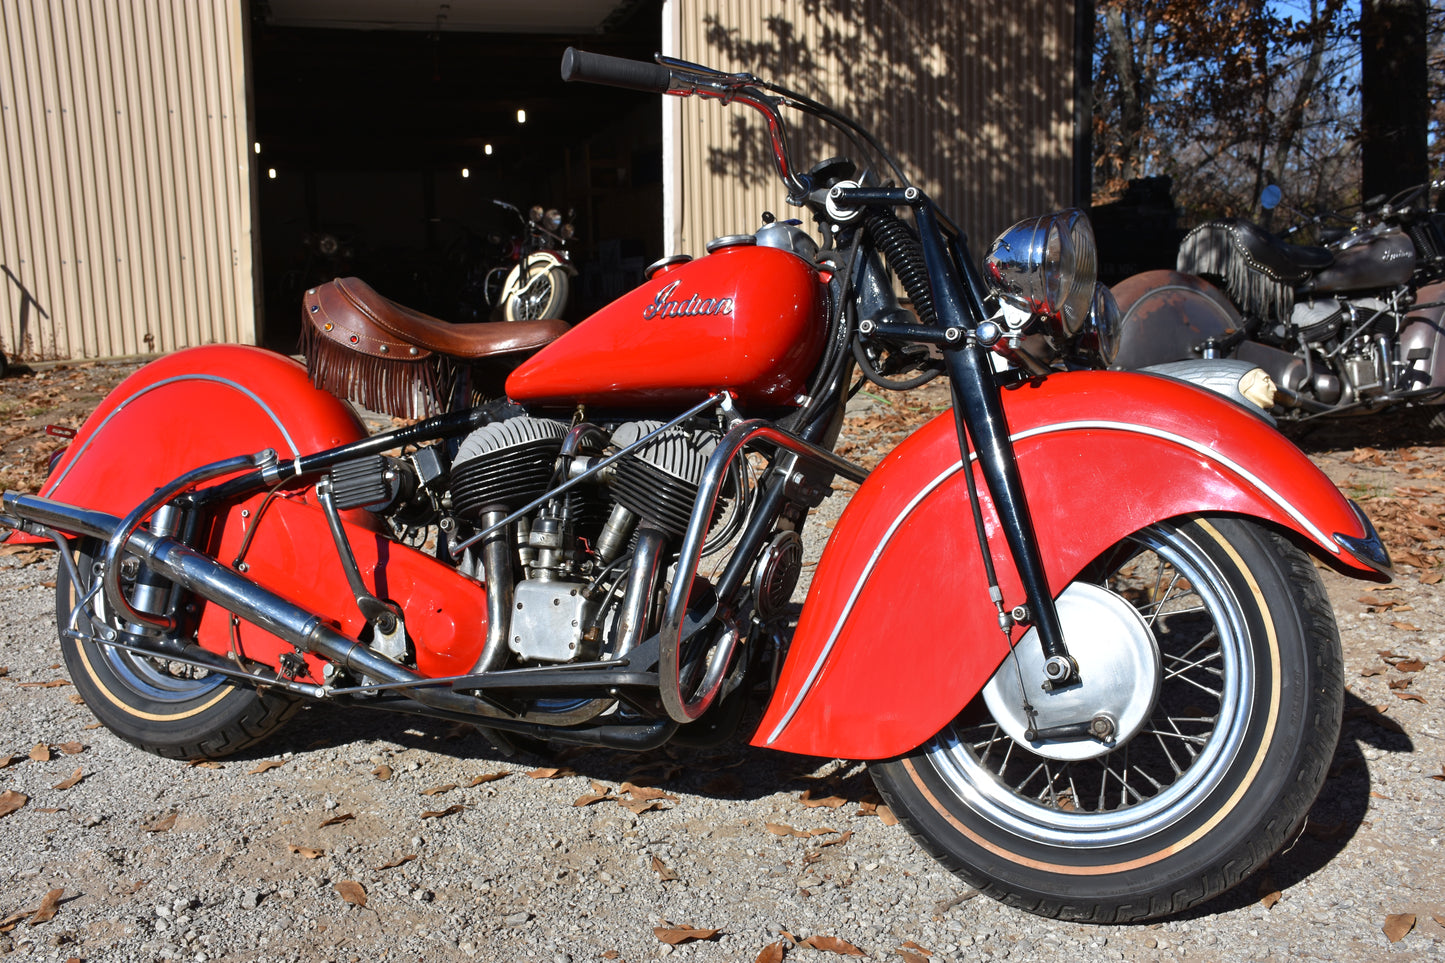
(1242, 257)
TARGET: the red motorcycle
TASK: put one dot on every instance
(1072, 623)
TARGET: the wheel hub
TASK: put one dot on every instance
(1119, 677)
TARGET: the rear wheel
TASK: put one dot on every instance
(1199, 793)
(162, 706)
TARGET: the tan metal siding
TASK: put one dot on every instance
(975, 100)
(125, 186)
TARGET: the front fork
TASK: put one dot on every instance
(963, 337)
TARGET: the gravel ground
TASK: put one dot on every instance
(254, 858)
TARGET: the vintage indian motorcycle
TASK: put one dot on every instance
(1072, 624)
(1354, 326)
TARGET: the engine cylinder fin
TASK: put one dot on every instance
(505, 464)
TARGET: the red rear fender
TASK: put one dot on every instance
(898, 632)
(192, 408)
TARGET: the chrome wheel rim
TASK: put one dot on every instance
(1178, 758)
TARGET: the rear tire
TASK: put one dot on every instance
(163, 707)
(1225, 768)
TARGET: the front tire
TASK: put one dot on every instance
(542, 296)
(1224, 769)
(164, 707)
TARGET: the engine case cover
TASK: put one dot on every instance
(749, 319)
(548, 619)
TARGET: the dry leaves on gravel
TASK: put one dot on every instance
(1397, 925)
(673, 935)
(335, 820)
(10, 801)
(43, 913)
(351, 891)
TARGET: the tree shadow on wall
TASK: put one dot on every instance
(967, 98)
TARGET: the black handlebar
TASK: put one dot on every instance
(597, 68)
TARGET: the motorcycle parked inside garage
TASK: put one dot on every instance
(1073, 623)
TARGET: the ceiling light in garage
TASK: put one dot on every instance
(271, 173)
(521, 116)
(258, 146)
(487, 149)
(466, 172)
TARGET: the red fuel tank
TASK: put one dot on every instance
(750, 319)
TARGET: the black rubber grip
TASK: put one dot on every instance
(615, 71)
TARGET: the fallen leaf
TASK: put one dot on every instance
(914, 946)
(10, 800)
(1432, 578)
(335, 820)
(449, 811)
(41, 753)
(382, 772)
(351, 891)
(909, 956)
(307, 851)
(550, 773)
(886, 814)
(489, 777)
(1410, 696)
(438, 790)
(674, 935)
(781, 829)
(78, 699)
(5, 761)
(53, 683)
(268, 764)
(1378, 795)
(1438, 918)
(163, 824)
(772, 953)
(1268, 899)
(1373, 671)
(1414, 665)
(841, 839)
(1406, 626)
(832, 802)
(205, 764)
(589, 799)
(71, 748)
(397, 862)
(1397, 925)
(832, 944)
(51, 903)
(662, 870)
(1377, 602)
(74, 780)
(644, 792)
(1441, 775)
(640, 806)
(611, 955)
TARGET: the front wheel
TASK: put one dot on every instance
(165, 707)
(1197, 795)
(542, 296)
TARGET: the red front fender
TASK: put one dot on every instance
(898, 632)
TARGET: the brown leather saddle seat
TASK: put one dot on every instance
(389, 358)
(350, 312)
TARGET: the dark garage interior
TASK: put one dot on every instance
(385, 136)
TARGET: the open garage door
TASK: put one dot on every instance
(385, 129)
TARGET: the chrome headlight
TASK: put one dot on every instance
(1102, 326)
(534, 214)
(552, 220)
(1047, 265)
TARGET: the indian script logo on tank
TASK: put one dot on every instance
(664, 305)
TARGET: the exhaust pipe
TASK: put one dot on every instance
(209, 579)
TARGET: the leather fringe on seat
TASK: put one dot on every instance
(1212, 250)
(402, 388)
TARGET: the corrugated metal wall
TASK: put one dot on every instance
(125, 208)
(975, 100)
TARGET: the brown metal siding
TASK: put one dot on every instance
(975, 100)
(124, 190)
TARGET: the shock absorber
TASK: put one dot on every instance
(905, 256)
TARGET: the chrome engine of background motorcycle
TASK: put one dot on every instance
(566, 602)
